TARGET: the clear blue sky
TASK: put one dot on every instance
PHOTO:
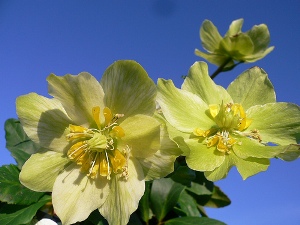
(42, 37)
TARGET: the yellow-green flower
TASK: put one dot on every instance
(98, 141)
(218, 129)
(236, 45)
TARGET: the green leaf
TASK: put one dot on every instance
(193, 221)
(183, 175)
(144, 204)
(201, 189)
(14, 132)
(17, 142)
(17, 214)
(134, 220)
(188, 204)
(164, 195)
(201, 186)
(12, 191)
(218, 199)
(202, 211)
(96, 218)
(176, 212)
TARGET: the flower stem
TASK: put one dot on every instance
(220, 69)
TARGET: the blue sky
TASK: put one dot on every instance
(42, 37)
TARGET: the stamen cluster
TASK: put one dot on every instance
(95, 149)
(229, 118)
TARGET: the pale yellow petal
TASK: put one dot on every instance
(75, 195)
(124, 195)
(41, 169)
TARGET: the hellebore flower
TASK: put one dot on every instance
(46, 222)
(99, 142)
(218, 128)
(236, 45)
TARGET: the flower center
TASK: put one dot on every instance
(95, 149)
(229, 118)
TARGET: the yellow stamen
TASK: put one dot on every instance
(104, 170)
(221, 146)
(94, 167)
(222, 140)
(245, 123)
(78, 132)
(236, 109)
(212, 141)
(77, 129)
(77, 150)
(231, 142)
(241, 110)
(96, 116)
(198, 132)
(118, 131)
(230, 119)
(94, 149)
(214, 110)
(118, 161)
(203, 133)
(107, 115)
(85, 163)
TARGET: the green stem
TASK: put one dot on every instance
(220, 69)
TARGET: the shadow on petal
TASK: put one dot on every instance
(51, 128)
